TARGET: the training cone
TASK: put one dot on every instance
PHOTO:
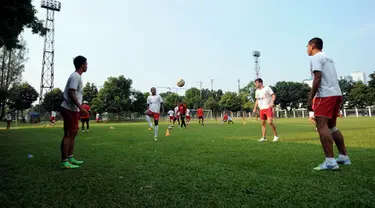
(167, 133)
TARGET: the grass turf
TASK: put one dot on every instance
(210, 166)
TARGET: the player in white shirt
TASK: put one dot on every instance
(53, 117)
(327, 105)
(171, 115)
(176, 115)
(188, 118)
(154, 103)
(70, 112)
(9, 120)
(265, 99)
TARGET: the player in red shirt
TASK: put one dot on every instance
(182, 111)
(200, 114)
(85, 118)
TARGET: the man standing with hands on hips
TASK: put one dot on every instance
(71, 111)
(265, 99)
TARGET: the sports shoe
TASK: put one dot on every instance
(68, 165)
(326, 166)
(262, 140)
(75, 162)
(155, 138)
(149, 129)
(275, 139)
(343, 161)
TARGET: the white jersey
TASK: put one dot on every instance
(53, 114)
(329, 86)
(154, 102)
(176, 112)
(229, 118)
(74, 82)
(97, 116)
(264, 97)
(8, 117)
(170, 113)
(187, 112)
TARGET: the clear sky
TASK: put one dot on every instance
(155, 42)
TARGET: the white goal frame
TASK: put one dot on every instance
(207, 114)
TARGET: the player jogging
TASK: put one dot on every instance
(182, 112)
(70, 112)
(265, 99)
(188, 117)
(53, 117)
(200, 114)
(9, 120)
(97, 117)
(85, 118)
(176, 115)
(171, 115)
(154, 102)
(326, 107)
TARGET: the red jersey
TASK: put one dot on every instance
(182, 109)
(87, 107)
(225, 117)
(200, 112)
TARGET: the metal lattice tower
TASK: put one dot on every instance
(47, 76)
(256, 55)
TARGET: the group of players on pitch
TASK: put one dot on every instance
(325, 90)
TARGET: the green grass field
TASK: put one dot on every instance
(210, 166)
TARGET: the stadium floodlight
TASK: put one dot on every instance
(256, 55)
(51, 5)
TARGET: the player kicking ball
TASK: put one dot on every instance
(227, 118)
(327, 104)
(265, 98)
(154, 103)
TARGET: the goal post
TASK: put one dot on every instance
(207, 114)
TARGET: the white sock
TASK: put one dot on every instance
(345, 157)
(331, 160)
(156, 129)
(148, 121)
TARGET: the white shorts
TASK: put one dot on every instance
(311, 114)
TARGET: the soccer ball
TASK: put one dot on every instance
(180, 82)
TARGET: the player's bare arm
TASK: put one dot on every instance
(162, 108)
(273, 100)
(314, 89)
(73, 97)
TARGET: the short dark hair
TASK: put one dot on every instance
(318, 43)
(79, 61)
(180, 101)
(260, 80)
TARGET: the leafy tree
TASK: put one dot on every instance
(218, 94)
(346, 86)
(90, 91)
(170, 100)
(212, 104)
(359, 95)
(52, 100)
(230, 101)
(114, 97)
(22, 96)
(291, 94)
(371, 82)
(14, 17)
(138, 101)
(192, 98)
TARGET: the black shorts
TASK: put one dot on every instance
(200, 117)
(85, 120)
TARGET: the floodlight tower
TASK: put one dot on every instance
(47, 77)
(256, 55)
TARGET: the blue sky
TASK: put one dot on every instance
(155, 42)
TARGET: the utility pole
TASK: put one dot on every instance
(200, 88)
(212, 85)
(239, 88)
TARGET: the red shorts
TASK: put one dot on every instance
(328, 107)
(264, 114)
(156, 116)
(71, 119)
(52, 118)
(187, 118)
(171, 117)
